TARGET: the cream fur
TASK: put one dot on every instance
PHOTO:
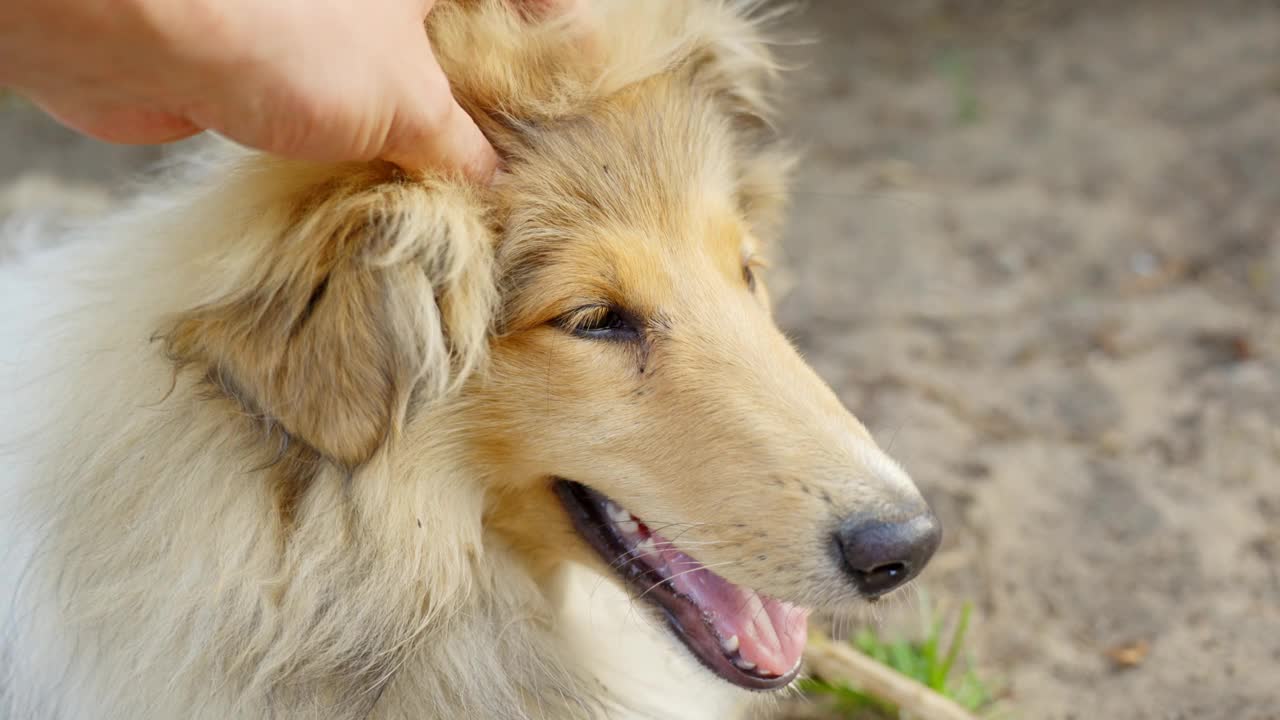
(266, 436)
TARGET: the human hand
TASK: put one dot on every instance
(327, 80)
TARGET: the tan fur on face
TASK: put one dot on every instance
(709, 423)
(280, 439)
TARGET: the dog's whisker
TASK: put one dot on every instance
(660, 526)
(679, 535)
(682, 573)
(635, 553)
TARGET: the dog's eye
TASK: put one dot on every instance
(599, 322)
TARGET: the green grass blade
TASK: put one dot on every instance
(929, 653)
(957, 639)
(871, 644)
(923, 658)
(905, 659)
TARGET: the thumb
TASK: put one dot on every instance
(431, 131)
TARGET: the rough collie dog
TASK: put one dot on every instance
(329, 441)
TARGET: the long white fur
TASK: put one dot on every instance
(144, 574)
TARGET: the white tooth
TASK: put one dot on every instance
(628, 527)
(616, 513)
(744, 664)
(646, 547)
(730, 645)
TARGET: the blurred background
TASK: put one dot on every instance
(1036, 247)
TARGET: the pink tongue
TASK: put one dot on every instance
(770, 634)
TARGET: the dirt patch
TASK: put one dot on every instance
(1037, 248)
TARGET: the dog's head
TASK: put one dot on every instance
(634, 405)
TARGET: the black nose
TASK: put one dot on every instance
(880, 555)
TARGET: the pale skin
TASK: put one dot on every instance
(328, 80)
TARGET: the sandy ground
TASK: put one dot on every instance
(1036, 246)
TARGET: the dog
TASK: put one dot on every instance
(299, 440)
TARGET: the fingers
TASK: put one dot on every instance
(126, 126)
(433, 132)
(447, 140)
(428, 130)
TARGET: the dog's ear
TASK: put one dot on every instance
(732, 61)
(341, 304)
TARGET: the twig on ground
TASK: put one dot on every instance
(837, 662)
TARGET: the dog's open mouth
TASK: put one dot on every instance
(749, 639)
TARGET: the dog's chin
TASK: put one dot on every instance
(748, 639)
